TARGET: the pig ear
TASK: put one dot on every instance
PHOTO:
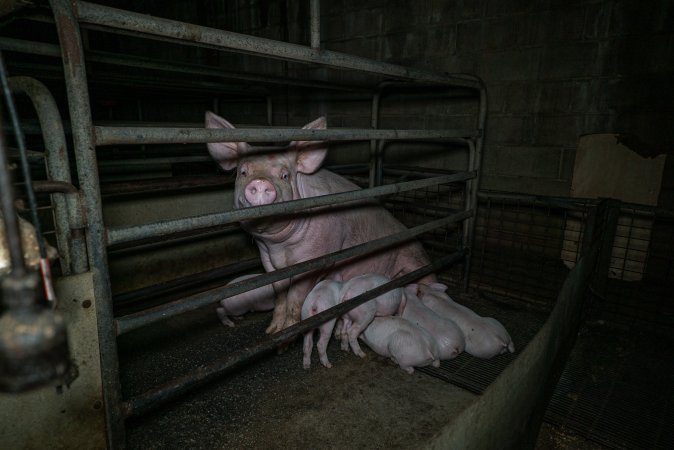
(224, 153)
(438, 287)
(310, 154)
(412, 289)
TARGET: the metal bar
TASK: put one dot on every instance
(163, 184)
(118, 235)
(43, 49)
(10, 221)
(83, 138)
(25, 166)
(67, 214)
(156, 397)
(142, 318)
(188, 34)
(160, 135)
(174, 285)
(315, 23)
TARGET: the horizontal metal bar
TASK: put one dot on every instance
(189, 34)
(117, 235)
(44, 49)
(163, 184)
(177, 284)
(142, 318)
(160, 135)
(149, 400)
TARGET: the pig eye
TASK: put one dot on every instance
(284, 176)
(243, 172)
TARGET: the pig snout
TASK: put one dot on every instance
(260, 192)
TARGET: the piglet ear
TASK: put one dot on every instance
(224, 153)
(310, 154)
(438, 287)
(412, 290)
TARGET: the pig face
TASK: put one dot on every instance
(264, 176)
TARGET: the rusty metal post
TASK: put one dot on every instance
(85, 154)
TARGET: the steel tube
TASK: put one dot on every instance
(9, 218)
(159, 135)
(188, 34)
(156, 397)
(83, 138)
(67, 214)
(315, 23)
(117, 235)
(43, 49)
(142, 318)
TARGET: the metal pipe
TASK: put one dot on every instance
(83, 138)
(315, 23)
(142, 318)
(149, 400)
(475, 163)
(118, 235)
(160, 135)
(72, 249)
(189, 34)
(43, 49)
(12, 233)
(176, 284)
(162, 184)
(45, 265)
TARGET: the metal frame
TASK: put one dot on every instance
(71, 16)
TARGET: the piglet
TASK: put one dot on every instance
(407, 344)
(355, 321)
(258, 299)
(448, 335)
(323, 296)
(485, 336)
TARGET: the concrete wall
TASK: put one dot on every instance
(555, 70)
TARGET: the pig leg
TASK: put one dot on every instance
(307, 348)
(299, 289)
(224, 318)
(354, 331)
(279, 315)
(344, 336)
(322, 344)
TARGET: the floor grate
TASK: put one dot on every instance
(616, 388)
(475, 374)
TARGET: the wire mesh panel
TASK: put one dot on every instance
(640, 282)
(521, 246)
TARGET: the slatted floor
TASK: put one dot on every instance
(617, 386)
(475, 374)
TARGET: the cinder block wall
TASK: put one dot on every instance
(554, 70)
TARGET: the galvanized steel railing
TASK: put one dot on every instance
(70, 15)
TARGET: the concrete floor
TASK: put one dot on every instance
(274, 403)
(360, 403)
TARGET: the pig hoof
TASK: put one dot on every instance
(327, 365)
(274, 327)
(223, 317)
(306, 366)
(409, 370)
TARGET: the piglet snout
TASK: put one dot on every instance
(260, 192)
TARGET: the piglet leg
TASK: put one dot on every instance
(307, 348)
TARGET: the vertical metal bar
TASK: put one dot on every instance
(474, 163)
(375, 153)
(83, 138)
(72, 247)
(315, 23)
(12, 233)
